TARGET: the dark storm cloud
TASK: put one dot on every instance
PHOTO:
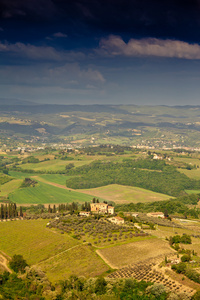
(24, 9)
(167, 18)
(100, 50)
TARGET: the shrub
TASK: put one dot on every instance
(100, 286)
(196, 296)
(18, 263)
(185, 258)
(179, 268)
(158, 289)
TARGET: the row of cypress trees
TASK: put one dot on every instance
(9, 211)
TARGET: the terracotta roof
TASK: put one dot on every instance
(118, 218)
(99, 204)
(157, 213)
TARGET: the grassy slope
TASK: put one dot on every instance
(81, 261)
(188, 160)
(193, 174)
(192, 191)
(59, 255)
(53, 165)
(35, 247)
(45, 193)
(20, 175)
(55, 178)
(58, 164)
(10, 187)
(123, 194)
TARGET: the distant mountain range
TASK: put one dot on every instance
(6, 101)
(145, 126)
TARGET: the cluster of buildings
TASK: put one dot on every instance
(103, 208)
(100, 208)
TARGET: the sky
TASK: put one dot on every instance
(143, 52)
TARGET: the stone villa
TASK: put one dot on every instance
(102, 208)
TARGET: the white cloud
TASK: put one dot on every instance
(74, 73)
(60, 35)
(39, 52)
(114, 45)
(69, 75)
(92, 75)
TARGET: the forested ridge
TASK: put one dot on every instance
(148, 174)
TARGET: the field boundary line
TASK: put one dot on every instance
(52, 183)
(106, 260)
(60, 253)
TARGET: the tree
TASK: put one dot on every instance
(158, 289)
(166, 213)
(5, 211)
(2, 212)
(20, 211)
(18, 263)
(69, 166)
(185, 258)
(49, 209)
(100, 286)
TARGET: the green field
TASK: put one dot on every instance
(58, 255)
(20, 175)
(191, 161)
(193, 174)
(45, 193)
(51, 165)
(125, 194)
(192, 191)
(10, 187)
(81, 260)
(55, 178)
(35, 247)
(80, 160)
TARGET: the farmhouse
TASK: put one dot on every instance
(117, 220)
(111, 210)
(84, 213)
(135, 215)
(156, 215)
(157, 157)
(102, 208)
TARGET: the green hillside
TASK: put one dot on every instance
(45, 193)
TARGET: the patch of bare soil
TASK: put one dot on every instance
(4, 263)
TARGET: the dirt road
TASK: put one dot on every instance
(4, 262)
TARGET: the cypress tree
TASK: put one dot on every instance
(2, 212)
(5, 211)
(20, 212)
(9, 211)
